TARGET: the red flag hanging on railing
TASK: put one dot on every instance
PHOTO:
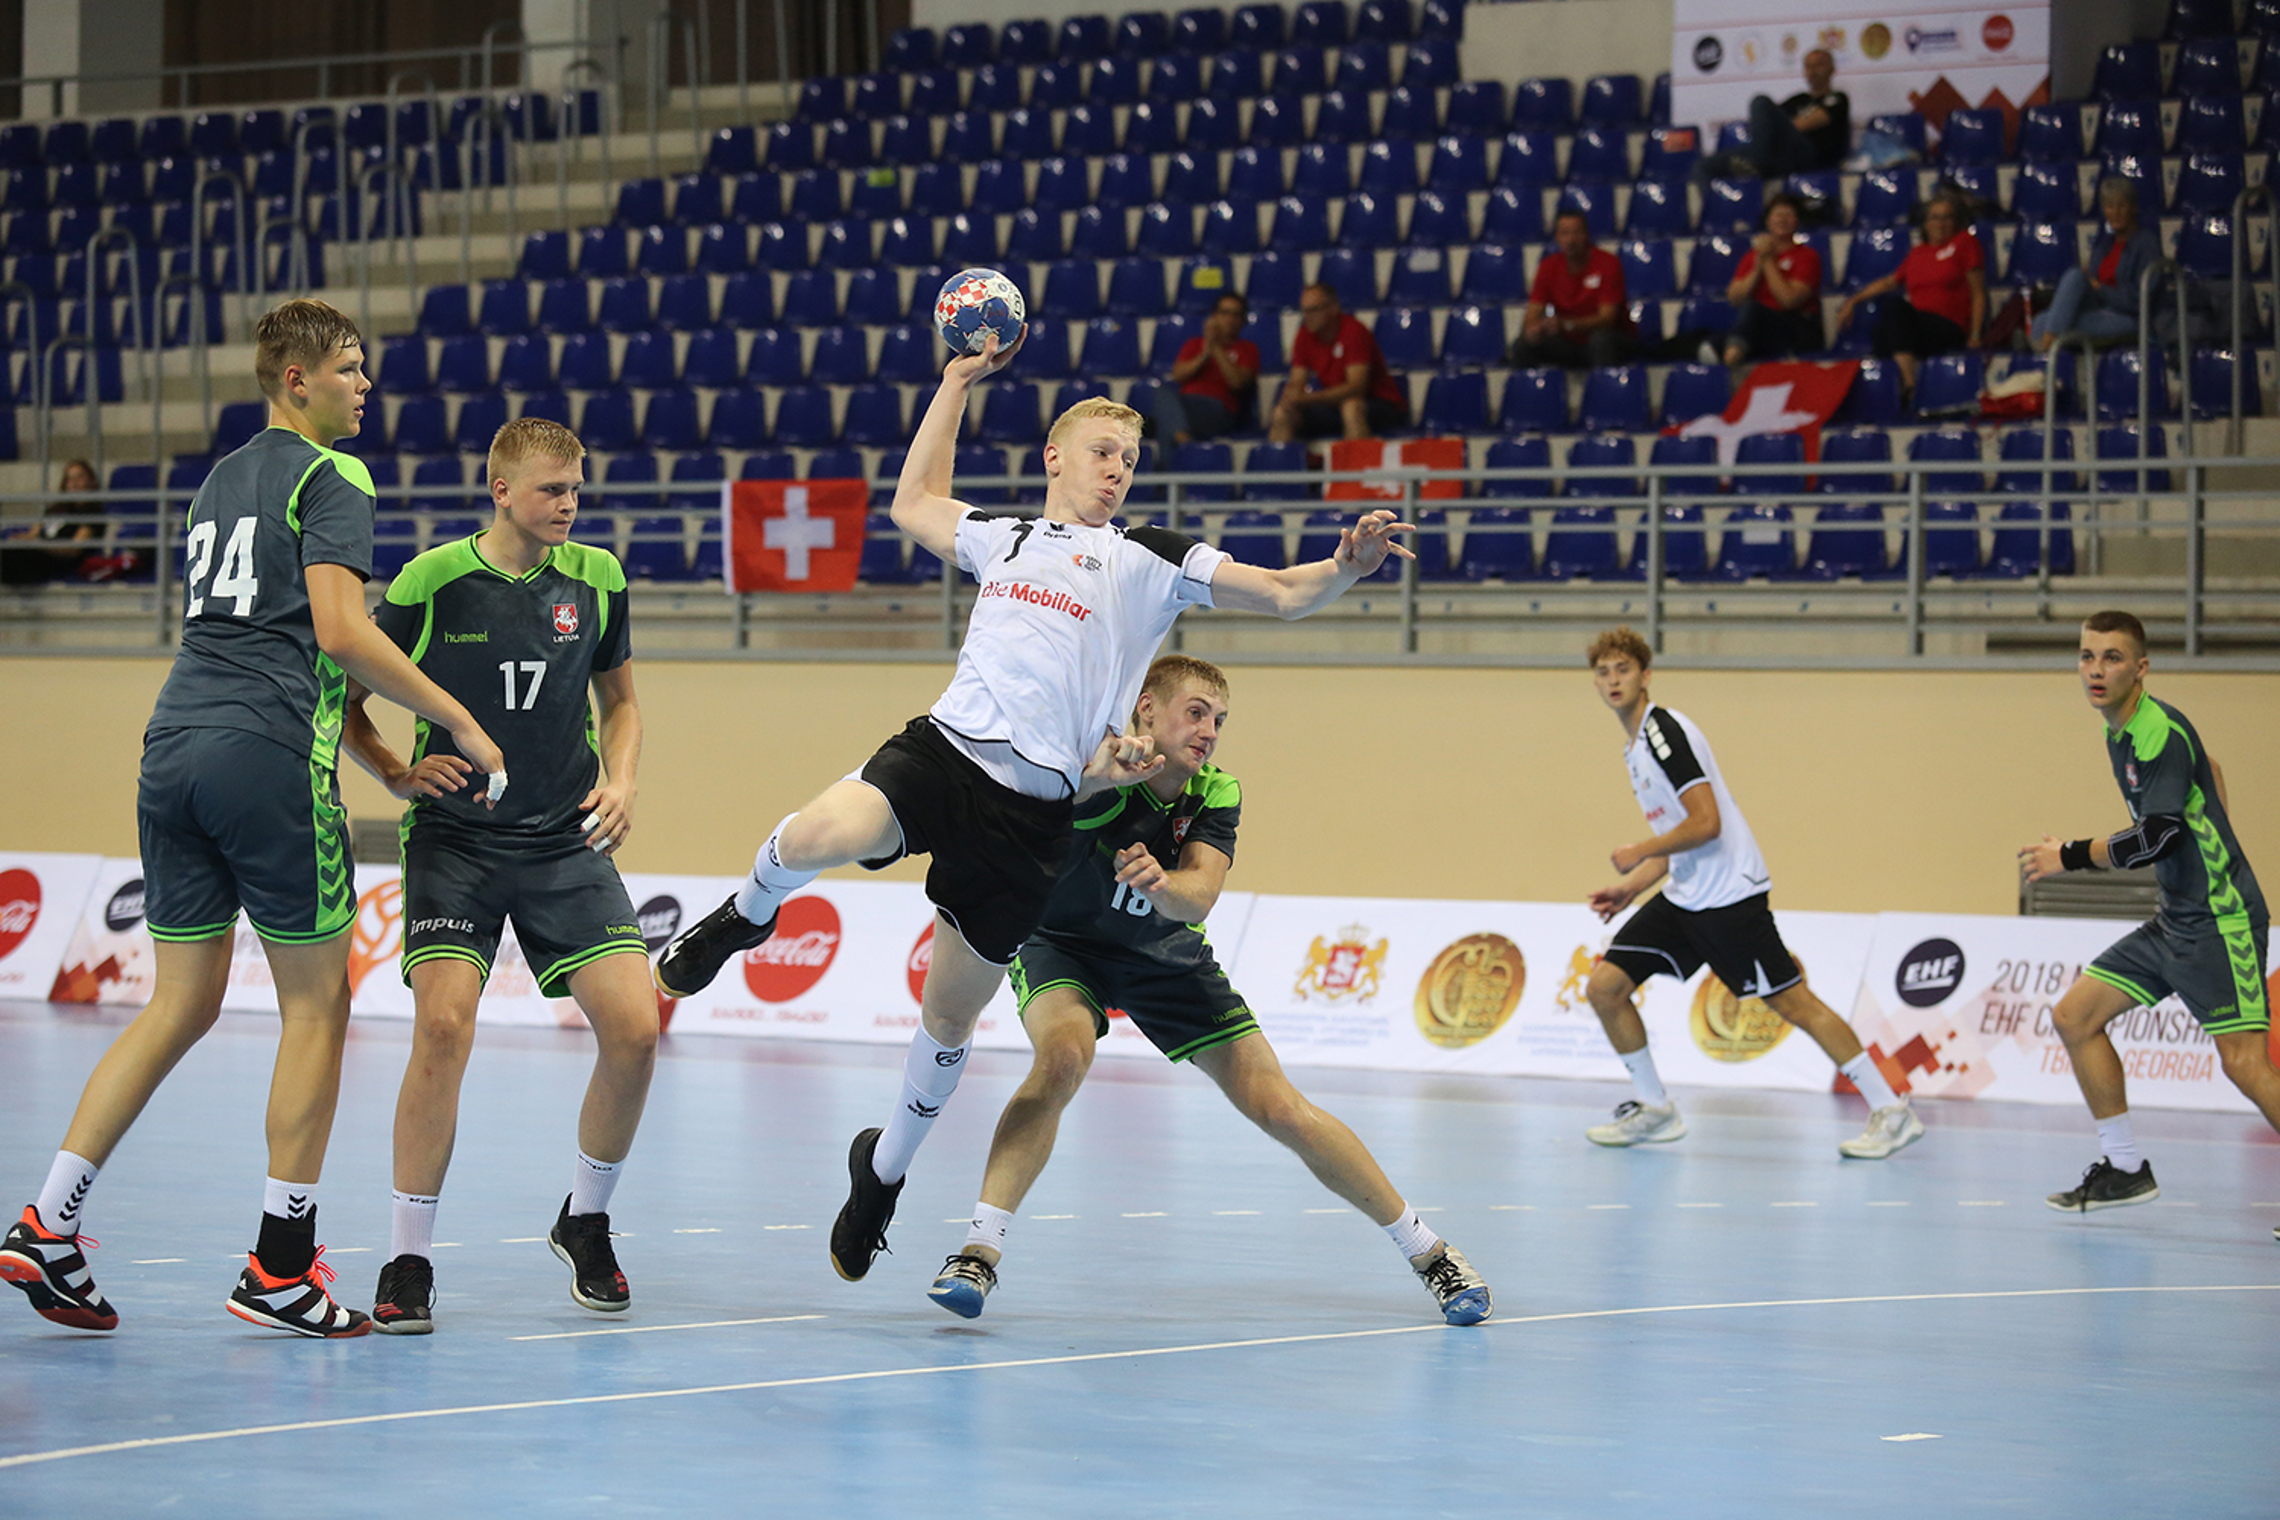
(1365, 455)
(1785, 397)
(787, 535)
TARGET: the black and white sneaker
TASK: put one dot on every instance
(583, 1243)
(52, 1271)
(296, 1304)
(859, 1234)
(404, 1302)
(690, 963)
(2106, 1186)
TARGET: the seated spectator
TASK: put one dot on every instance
(1810, 130)
(1944, 294)
(1776, 290)
(1338, 380)
(1214, 381)
(56, 560)
(1576, 314)
(2102, 304)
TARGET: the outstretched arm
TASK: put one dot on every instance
(346, 632)
(923, 506)
(1301, 590)
(361, 741)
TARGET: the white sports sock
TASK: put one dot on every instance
(930, 1076)
(2114, 1137)
(63, 1201)
(989, 1227)
(1863, 1072)
(771, 880)
(1411, 1236)
(592, 1184)
(411, 1226)
(1645, 1080)
(291, 1201)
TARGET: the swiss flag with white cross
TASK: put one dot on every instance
(792, 535)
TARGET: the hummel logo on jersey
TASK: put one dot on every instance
(481, 637)
(923, 1110)
(565, 617)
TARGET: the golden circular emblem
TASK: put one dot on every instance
(1470, 990)
(1876, 39)
(1728, 1028)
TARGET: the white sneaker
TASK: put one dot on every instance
(1889, 1129)
(1639, 1123)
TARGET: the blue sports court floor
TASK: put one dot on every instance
(1738, 1325)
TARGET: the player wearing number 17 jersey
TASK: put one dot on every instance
(239, 809)
(1069, 610)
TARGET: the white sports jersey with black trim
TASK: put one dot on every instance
(1060, 639)
(1668, 756)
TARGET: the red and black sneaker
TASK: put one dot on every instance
(296, 1304)
(52, 1271)
(583, 1243)
(404, 1303)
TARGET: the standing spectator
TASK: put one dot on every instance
(1576, 314)
(1810, 130)
(55, 561)
(1338, 380)
(2102, 304)
(1776, 290)
(1214, 380)
(1944, 300)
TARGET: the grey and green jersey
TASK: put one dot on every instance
(249, 658)
(518, 651)
(1092, 908)
(2163, 770)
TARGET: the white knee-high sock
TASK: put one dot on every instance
(930, 1076)
(63, 1202)
(771, 880)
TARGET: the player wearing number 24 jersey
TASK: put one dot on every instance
(239, 809)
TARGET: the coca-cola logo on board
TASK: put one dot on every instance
(798, 954)
(19, 907)
(921, 957)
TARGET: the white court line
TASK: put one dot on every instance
(1052, 1216)
(1512, 1208)
(1606, 1205)
(30, 1458)
(1979, 1203)
(1914, 1435)
(1701, 1205)
(710, 1324)
(1794, 1203)
(1228, 1213)
(1888, 1203)
(161, 1261)
(802, 1226)
(1329, 1211)
(523, 1240)
(1150, 1214)
(706, 1230)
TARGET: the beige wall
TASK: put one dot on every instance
(1867, 790)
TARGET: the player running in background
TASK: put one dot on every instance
(518, 623)
(2207, 943)
(239, 807)
(1069, 611)
(1713, 908)
(1124, 930)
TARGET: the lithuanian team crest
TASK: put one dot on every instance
(565, 617)
(1348, 966)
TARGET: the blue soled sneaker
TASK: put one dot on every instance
(690, 963)
(1460, 1291)
(964, 1285)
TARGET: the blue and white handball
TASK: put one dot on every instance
(975, 303)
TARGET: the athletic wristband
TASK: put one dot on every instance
(2074, 855)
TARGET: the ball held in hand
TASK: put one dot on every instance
(975, 303)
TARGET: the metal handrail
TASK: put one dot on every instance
(196, 339)
(2153, 270)
(2235, 430)
(43, 398)
(661, 27)
(604, 96)
(490, 34)
(184, 75)
(240, 230)
(395, 176)
(143, 320)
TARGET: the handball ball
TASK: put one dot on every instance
(975, 303)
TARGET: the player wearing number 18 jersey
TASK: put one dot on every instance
(239, 808)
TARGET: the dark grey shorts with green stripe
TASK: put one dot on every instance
(1183, 1010)
(461, 885)
(230, 820)
(2219, 975)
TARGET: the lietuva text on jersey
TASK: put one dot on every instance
(1668, 757)
(519, 653)
(1061, 635)
(249, 658)
(2165, 776)
(1090, 909)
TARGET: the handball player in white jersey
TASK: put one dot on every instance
(1069, 613)
(1713, 908)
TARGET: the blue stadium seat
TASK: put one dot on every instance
(1531, 453)
(1600, 153)
(1411, 114)
(463, 364)
(738, 421)
(847, 145)
(2211, 123)
(1071, 290)
(585, 364)
(1191, 179)
(1602, 451)
(1499, 544)
(1733, 203)
(545, 256)
(1405, 337)
(1875, 253)
(1010, 414)
(1548, 103)
(662, 251)
(601, 252)
(711, 360)
(2115, 392)
(2211, 181)
(756, 198)
(1367, 221)
(2205, 246)
(444, 311)
(1177, 76)
(811, 299)
(841, 357)
(1659, 209)
(624, 305)
(1691, 556)
(2196, 19)
(748, 301)
(1694, 390)
(909, 240)
(447, 471)
(422, 426)
(669, 421)
(1166, 232)
(2120, 442)
(1959, 444)
(2128, 71)
(1352, 272)
(1614, 400)
(803, 417)
(1388, 169)
(1493, 275)
(873, 299)
(1300, 70)
(1087, 131)
(2050, 134)
(1611, 100)
(2130, 127)
(732, 151)
(1581, 543)
(2041, 252)
(1230, 227)
(1275, 281)
(2212, 374)
(874, 417)
(403, 367)
(1535, 400)
(1459, 164)
(640, 203)
(1474, 336)
(1150, 128)
(1596, 204)
(1112, 346)
(774, 358)
(1136, 288)
(526, 364)
(1847, 540)
(1528, 159)
(2046, 192)
(1972, 137)
(1757, 542)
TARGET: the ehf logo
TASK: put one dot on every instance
(565, 617)
(1929, 973)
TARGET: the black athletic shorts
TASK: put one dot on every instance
(1181, 1009)
(996, 852)
(461, 885)
(1739, 942)
(230, 820)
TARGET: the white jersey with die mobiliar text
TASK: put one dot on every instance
(1667, 758)
(1067, 619)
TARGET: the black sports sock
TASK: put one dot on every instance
(288, 1246)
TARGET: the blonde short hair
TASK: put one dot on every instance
(1620, 641)
(1090, 408)
(303, 332)
(1173, 671)
(531, 438)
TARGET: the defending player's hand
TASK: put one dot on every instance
(1122, 760)
(485, 756)
(1140, 870)
(967, 368)
(1609, 901)
(2037, 861)
(432, 777)
(1364, 546)
(609, 817)
(1627, 858)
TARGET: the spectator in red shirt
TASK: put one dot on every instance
(1338, 380)
(2101, 303)
(1213, 380)
(1576, 314)
(1944, 305)
(1776, 290)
